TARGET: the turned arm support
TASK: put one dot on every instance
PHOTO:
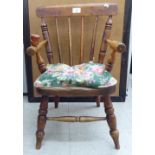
(116, 47)
(35, 49)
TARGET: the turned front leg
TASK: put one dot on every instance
(41, 121)
(111, 120)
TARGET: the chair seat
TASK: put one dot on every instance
(87, 79)
(92, 75)
(109, 88)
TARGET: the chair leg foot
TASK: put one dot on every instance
(56, 101)
(98, 101)
(41, 121)
(56, 105)
(111, 120)
(39, 138)
(115, 136)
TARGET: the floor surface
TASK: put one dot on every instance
(78, 138)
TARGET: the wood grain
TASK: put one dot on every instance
(70, 42)
(116, 47)
(106, 35)
(86, 10)
(58, 37)
(56, 101)
(35, 49)
(82, 40)
(41, 121)
(91, 55)
(45, 33)
(98, 98)
(76, 91)
(76, 119)
(40, 62)
(111, 120)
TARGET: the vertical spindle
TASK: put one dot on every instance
(82, 38)
(45, 33)
(106, 35)
(58, 39)
(70, 41)
(91, 56)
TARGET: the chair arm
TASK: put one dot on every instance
(116, 47)
(35, 49)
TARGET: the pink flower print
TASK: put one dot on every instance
(69, 71)
(50, 71)
(87, 74)
(59, 68)
(98, 70)
(78, 71)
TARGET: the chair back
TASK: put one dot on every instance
(70, 11)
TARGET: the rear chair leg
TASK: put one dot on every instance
(111, 120)
(56, 101)
(41, 121)
(98, 98)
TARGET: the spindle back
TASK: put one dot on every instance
(82, 10)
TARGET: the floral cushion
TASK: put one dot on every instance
(90, 74)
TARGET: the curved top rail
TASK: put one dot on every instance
(87, 9)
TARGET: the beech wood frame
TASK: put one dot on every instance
(124, 60)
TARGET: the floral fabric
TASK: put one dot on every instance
(89, 74)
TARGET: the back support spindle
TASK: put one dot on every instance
(58, 38)
(46, 37)
(70, 41)
(91, 56)
(82, 38)
(106, 35)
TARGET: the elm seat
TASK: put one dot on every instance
(98, 88)
(109, 88)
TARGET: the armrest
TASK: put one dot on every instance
(116, 47)
(35, 49)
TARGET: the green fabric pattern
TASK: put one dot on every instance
(90, 74)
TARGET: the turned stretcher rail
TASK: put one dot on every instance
(76, 119)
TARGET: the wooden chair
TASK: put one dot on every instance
(83, 10)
